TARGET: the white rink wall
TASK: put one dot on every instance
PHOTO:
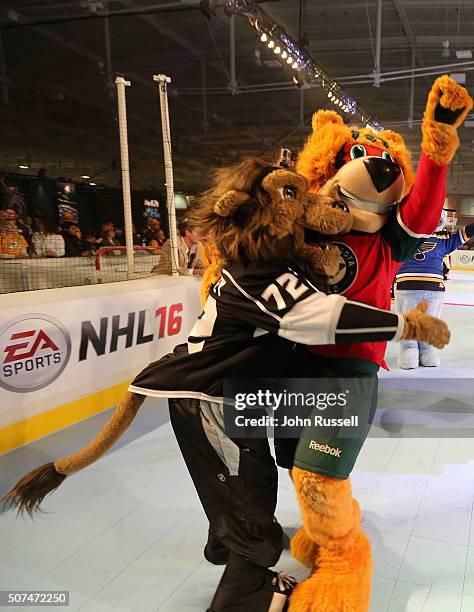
(68, 353)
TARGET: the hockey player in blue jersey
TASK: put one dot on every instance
(421, 279)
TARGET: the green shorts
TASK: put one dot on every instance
(331, 450)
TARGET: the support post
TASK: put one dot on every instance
(108, 52)
(121, 83)
(412, 89)
(163, 81)
(378, 44)
(233, 81)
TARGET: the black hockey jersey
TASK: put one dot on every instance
(249, 326)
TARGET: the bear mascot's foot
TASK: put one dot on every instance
(407, 358)
(429, 358)
(340, 581)
(342, 566)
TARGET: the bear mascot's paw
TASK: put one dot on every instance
(447, 107)
(425, 328)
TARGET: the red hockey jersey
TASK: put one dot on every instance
(372, 260)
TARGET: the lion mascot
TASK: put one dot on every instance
(264, 308)
(393, 212)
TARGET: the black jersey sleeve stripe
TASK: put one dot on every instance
(365, 336)
(363, 323)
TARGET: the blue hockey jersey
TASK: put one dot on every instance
(424, 270)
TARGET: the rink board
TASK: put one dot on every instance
(66, 354)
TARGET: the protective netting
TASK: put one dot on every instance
(60, 233)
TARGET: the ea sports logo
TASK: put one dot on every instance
(34, 350)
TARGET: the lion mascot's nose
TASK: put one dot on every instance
(383, 172)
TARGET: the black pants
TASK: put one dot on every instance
(239, 498)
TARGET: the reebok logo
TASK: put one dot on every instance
(324, 448)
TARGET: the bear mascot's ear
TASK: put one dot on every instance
(323, 117)
(399, 151)
(317, 159)
(229, 202)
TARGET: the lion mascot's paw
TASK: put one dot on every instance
(212, 260)
(333, 545)
(447, 106)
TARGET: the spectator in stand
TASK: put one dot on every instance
(105, 227)
(150, 228)
(189, 260)
(11, 214)
(47, 242)
(137, 238)
(158, 239)
(26, 227)
(109, 239)
(74, 246)
(91, 243)
(12, 242)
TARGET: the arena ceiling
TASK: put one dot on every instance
(59, 59)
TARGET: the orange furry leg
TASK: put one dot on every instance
(341, 577)
(303, 549)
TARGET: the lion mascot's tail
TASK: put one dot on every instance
(30, 491)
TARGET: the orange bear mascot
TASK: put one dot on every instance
(393, 213)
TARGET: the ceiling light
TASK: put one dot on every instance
(85, 176)
(23, 166)
(92, 184)
(273, 35)
(464, 54)
(297, 81)
(277, 50)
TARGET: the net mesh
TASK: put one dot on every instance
(60, 233)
